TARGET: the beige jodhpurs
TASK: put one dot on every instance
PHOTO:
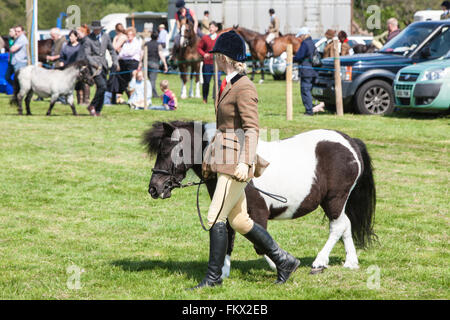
(231, 193)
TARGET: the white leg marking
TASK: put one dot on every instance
(197, 90)
(183, 91)
(191, 88)
(226, 267)
(337, 228)
(271, 263)
(351, 259)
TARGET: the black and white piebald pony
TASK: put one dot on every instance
(323, 168)
(50, 83)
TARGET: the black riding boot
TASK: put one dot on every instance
(269, 50)
(218, 243)
(286, 263)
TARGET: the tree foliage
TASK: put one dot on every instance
(12, 12)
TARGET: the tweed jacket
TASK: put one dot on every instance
(236, 138)
(274, 26)
(95, 51)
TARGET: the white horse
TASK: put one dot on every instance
(50, 83)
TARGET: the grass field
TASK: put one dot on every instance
(74, 206)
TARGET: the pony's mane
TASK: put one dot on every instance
(152, 137)
(78, 64)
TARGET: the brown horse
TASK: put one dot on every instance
(188, 57)
(258, 46)
(44, 49)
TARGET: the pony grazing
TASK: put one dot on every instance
(50, 83)
(323, 168)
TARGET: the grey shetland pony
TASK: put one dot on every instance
(50, 83)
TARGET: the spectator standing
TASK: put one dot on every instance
(18, 51)
(328, 50)
(95, 48)
(306, 72)
(345, 47)
(129, 56)
(83, 89)
(274, 31)
(204, 25)
(446, 8)
(114, 79)
(10, 70)
(69, 51)
(393, 30)
(58, 42)
(162, 36)
(205, 45)
(155, 54)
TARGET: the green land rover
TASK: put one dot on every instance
(424, 87)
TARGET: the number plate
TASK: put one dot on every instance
(403, 93)
(317, 91)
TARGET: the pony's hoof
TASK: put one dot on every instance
(29, 114)
(316, 270)
(351, 265)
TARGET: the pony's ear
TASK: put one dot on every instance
(168, 128)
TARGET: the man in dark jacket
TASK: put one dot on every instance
(306, 72)
(95, 47)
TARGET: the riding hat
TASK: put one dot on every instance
(180, 4)
(232, 45)
(96, 25)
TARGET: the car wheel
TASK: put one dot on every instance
(375, 97)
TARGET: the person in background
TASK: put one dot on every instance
(393, 30)
(183, 13)
(69, 51)
(204, 25)
(274, 31)
(345, 47)
(162, 36)
(328, 50)
(114, 79)
(306, 72)
(137, 91)
(58, 42)
(95, 48)
(19, 50)
(129, 57)
(10, 70)
(155, 54)
(169, 99)
(120, 38)
(446, 8)
(205, 45)
(83, 89)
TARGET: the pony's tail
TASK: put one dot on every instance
(361, 203)
(14, 101)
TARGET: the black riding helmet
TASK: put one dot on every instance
(232, 45)
(180, 4)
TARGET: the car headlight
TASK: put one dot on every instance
(435, 74)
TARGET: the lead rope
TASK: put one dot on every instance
(271, 195)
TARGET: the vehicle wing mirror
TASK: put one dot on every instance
(426, 52)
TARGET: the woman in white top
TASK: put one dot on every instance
(129, 58)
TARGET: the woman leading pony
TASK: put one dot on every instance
(232, 156)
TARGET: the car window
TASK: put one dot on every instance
(352, 43)
(408, 39)
(440, 44)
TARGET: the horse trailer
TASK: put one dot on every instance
(318, 15)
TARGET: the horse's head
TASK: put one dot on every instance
(187, 34)
(168, 141)
(84, 72)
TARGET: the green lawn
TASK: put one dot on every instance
(73, 193)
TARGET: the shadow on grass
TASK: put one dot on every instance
(196, 269)
(405, 114)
